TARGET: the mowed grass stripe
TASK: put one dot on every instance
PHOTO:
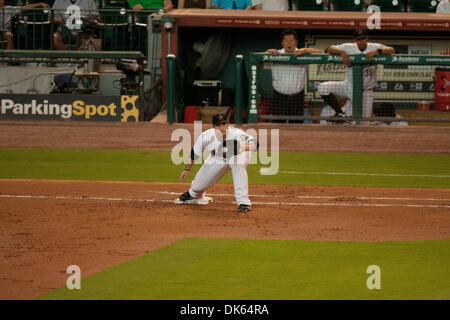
(415, 170)
(204, 268)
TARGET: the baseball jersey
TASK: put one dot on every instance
(287, 79)
(369, 71)
(274, 5)
(208, 139)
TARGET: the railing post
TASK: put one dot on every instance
(238, 60)
(357, 90)
(171, 78)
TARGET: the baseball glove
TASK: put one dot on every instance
(228, 149)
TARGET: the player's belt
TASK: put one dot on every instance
(290, 95)
(213, 153)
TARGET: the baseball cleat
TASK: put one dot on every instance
(243, 208)
(185, 196)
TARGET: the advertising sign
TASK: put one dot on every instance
(69, 107)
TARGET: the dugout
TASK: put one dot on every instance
(408, 32)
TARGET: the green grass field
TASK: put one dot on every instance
(385, 170)
(258, 269)
(225, 269)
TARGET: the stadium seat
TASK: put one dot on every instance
(115, 26)
(140, 33)
(115, 4)
(348, 5)
(423, 5)
(115, 29)
(113, 16)
(389, 5)
(32, 28)
(310, 5)
(11, 3)
(49, 2)
(115, 38)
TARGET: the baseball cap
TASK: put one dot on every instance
(219, 118)
(360, 34)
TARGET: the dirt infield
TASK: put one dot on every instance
(157, 136)
(49, 225)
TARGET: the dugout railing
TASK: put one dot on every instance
(404, 99)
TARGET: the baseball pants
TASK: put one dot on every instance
(215, 168)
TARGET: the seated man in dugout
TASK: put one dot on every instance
(67, 31)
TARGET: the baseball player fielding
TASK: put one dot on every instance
(229, 149)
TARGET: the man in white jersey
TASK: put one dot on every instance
(330, 89)
(224, 157)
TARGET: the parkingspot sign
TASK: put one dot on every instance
(74, 107)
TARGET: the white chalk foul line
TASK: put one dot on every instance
(257, 202)
(81, 198)
(318, 204)
(368, 174)
(314, 197)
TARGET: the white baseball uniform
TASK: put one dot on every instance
(215, 167)
(345, 88)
